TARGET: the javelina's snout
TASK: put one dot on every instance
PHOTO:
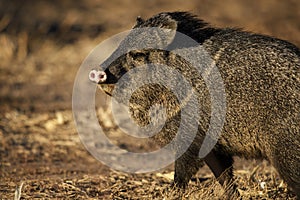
(97, 76)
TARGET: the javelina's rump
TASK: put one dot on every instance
(261, 77)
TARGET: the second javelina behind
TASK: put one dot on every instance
(261, 76)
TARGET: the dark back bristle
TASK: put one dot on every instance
(187, 24)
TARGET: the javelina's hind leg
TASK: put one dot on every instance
(221, 166)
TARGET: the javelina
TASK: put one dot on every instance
(261, 76)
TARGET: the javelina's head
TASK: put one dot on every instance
(158, 32)
(134, 50)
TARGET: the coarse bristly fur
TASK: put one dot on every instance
(261, 76)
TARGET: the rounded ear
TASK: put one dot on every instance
(168, 23)
(168, 31)
(161, 32)
(139, 21)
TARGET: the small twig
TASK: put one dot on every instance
(252, 174)
(18, 192)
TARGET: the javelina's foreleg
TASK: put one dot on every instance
(185, 167)
(221, 166)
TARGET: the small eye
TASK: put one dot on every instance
(137, 55)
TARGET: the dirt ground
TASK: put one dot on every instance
(42, 45)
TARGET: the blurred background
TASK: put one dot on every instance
(44, 42)
(42, 45)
